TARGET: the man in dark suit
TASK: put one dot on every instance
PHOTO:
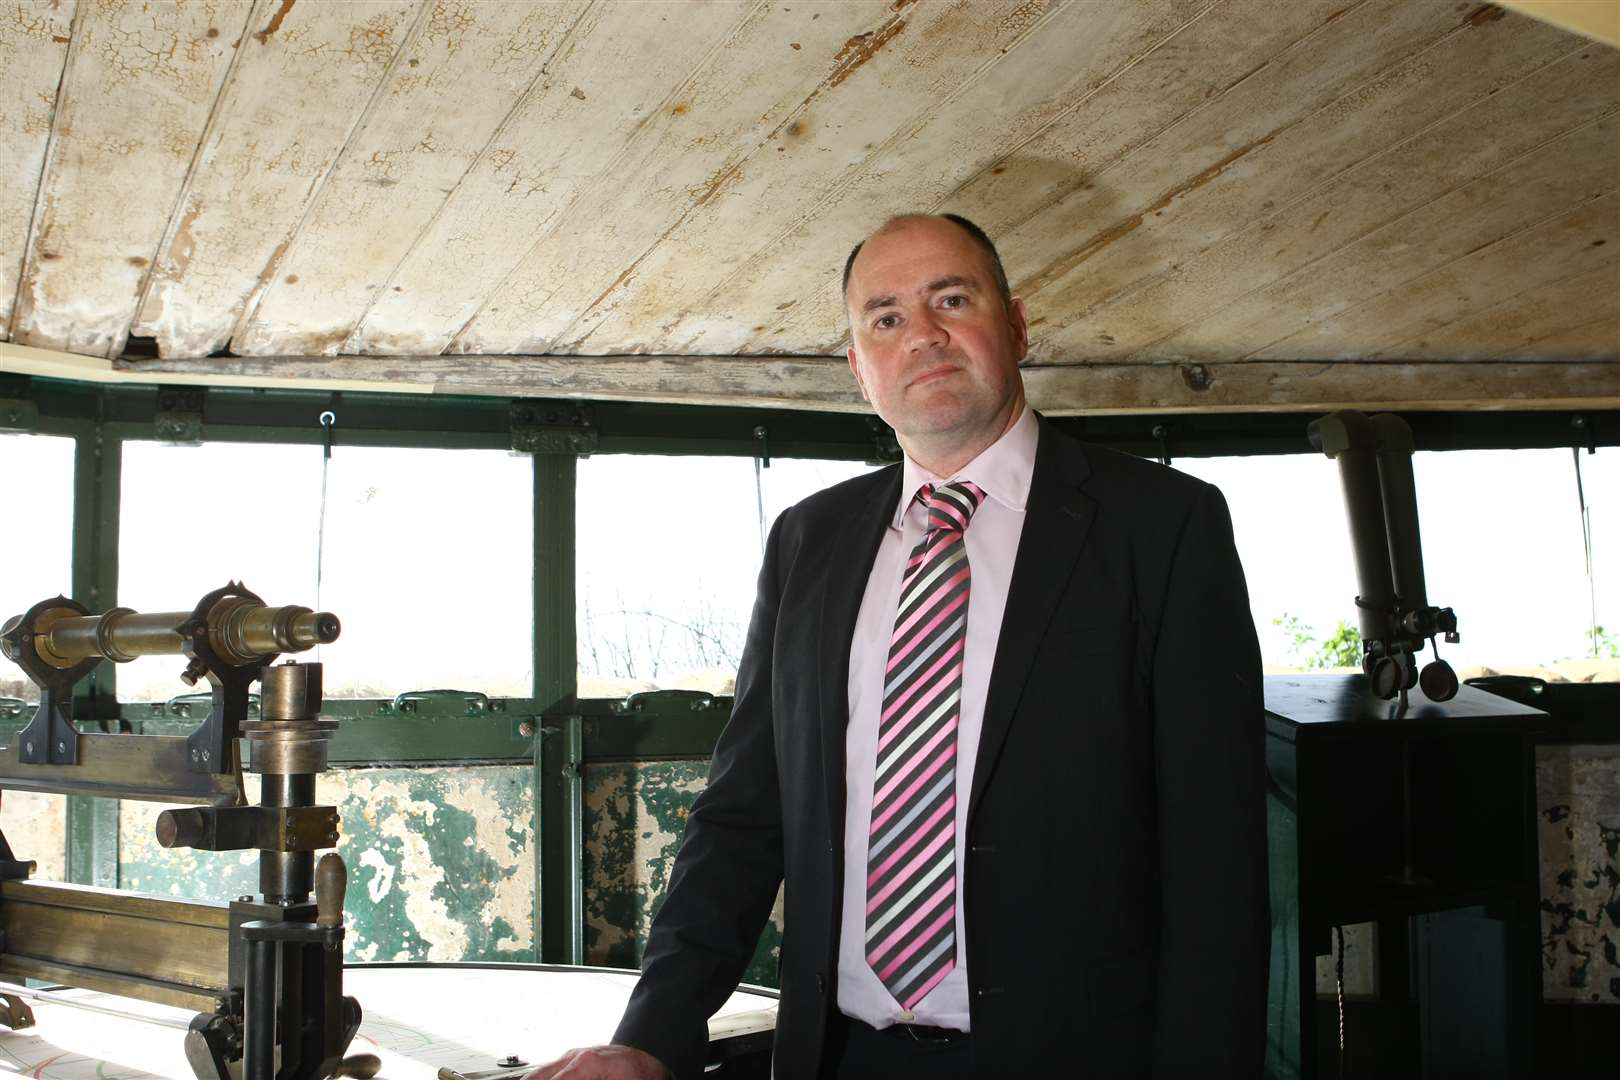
(997, 726)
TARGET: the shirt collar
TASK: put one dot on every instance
(1004, 469)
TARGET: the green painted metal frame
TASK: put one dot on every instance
(554, 730)
(92, 824)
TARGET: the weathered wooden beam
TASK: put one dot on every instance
(54, 364)
(1597, 19)
(823, 383)
(1311, 385)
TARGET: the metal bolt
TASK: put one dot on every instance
(244, 899)
(511, 1061)
(28, 747)
(194, 754)
(526, 728)
(205, 756)
(61, 747)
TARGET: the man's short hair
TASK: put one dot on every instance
(980, 237)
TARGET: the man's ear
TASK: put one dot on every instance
(855, 367)
(1020, 328)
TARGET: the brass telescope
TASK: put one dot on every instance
(239, 630)
(264, 973)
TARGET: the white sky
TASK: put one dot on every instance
(427, 552)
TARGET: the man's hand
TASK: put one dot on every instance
(603, 1063)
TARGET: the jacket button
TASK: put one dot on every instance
(821, 984)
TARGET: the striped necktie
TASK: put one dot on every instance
(911, 848)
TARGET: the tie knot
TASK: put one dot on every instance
(950, 506)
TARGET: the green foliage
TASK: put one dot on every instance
(1341, 648)
(1604, 645)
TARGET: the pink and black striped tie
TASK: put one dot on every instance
(911, 846)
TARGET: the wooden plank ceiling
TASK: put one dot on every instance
(1205, 203)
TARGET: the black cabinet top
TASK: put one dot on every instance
(1333, 705)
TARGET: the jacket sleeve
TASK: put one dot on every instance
(726, 875)
(1209, 723)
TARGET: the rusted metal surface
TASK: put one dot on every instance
(635, 817)
(1171, 180)
(1578, 803)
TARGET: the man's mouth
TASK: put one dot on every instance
(928, 375)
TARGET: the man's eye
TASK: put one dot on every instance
(886, 322)
(953, 301)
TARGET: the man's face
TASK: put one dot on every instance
(934, 349)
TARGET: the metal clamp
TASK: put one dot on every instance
(238, 828)
(179, 416)
(696, 700)
(552, 427)
(476, 701)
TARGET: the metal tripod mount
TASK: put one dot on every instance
(266, 971)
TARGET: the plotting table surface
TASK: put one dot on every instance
(417, 1020)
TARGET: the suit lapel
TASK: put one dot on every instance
(851, 565)
(1057, 518)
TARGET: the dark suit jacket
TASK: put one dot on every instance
(1115, 872)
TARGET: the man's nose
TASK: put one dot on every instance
(924, 331)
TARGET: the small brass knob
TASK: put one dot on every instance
(331, 882)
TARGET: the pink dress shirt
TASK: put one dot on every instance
(1003, 470)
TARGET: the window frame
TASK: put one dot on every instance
(553, 729)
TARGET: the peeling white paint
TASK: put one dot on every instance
(513, 900)
(382, 878)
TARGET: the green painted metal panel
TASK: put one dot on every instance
(441, 861)
(635, 817)
(92, 824)
(559, 751)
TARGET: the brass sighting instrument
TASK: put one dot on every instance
(264, 973)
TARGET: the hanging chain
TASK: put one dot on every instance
(1338, 973)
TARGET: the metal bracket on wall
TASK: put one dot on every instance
(552, 427)
(179, 416)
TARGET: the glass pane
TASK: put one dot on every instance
(1289, 522)
(668, 552)
(420, 546)
(1600, 473)
(192, 518)
(1502, 546)
(430, 564)
(36, 541)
